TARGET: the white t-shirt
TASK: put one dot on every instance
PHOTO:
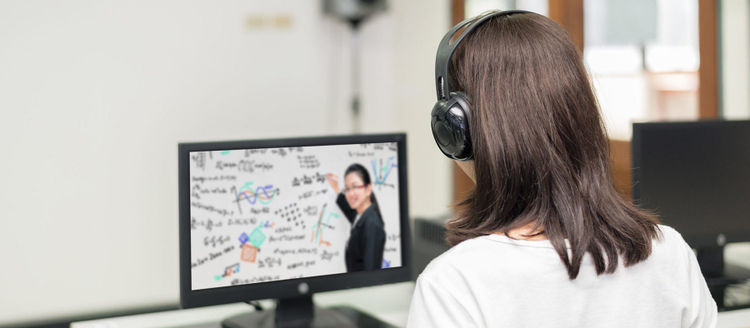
(496, 281)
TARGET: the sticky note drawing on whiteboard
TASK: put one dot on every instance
(243, 238)
(257, 237)
(249, 253)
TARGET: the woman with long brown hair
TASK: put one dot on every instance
(544, 239)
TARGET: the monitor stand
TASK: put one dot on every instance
(300, 312)
(722, 278)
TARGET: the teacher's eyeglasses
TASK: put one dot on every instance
(353, 188)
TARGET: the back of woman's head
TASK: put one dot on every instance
(540, 151)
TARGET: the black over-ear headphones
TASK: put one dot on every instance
(451, 114)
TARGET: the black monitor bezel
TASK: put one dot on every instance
(286, 288)
(695, 240)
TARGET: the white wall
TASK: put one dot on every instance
(95, 96)
(735, 59)
(420, 27)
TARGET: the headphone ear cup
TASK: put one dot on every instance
(450, 127)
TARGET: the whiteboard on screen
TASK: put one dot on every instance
(270, 214)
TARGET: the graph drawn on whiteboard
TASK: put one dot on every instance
(253, 196)
(234, 268)
(317, 234)
(382, 171)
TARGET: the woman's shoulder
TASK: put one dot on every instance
(669, 250)
(467, 257)
(668, 237)
(458, 261)
(671, 236)
(370, 212)
(370, 217)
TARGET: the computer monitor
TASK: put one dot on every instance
(696, 177)
(262, 219)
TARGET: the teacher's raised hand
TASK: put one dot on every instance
(333, 180)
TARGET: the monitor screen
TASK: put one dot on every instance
(290, 210)
(696, 177)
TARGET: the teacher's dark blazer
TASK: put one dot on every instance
(364, 251)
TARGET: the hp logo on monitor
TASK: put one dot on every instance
(303, 288)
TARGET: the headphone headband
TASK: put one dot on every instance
(446, 49)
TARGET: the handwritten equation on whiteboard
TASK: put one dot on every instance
(260, 215)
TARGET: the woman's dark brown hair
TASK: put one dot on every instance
(541, 156)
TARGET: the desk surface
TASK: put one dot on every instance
(390, 303)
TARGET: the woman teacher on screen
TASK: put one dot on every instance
(544, 239)
(364, 250)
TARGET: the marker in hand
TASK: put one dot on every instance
(333, 180)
